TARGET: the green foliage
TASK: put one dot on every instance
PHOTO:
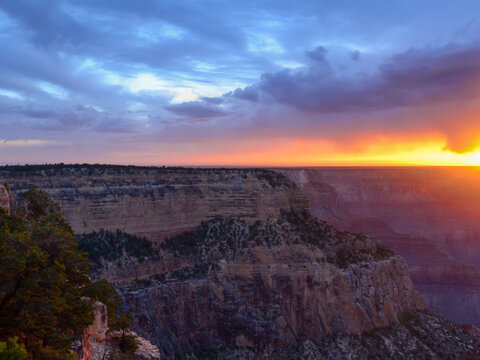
(186, 243)
(227, 238)
(12, 350)
(122, 322)
(198, 271)
(42, 279)
(37, 204)
(207, 354)
(112, 245)
(127, 344)
(275, 179)
(102, 291)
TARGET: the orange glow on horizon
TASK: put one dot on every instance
(305, 152)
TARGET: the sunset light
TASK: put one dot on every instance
(276, 85)
(224, 179)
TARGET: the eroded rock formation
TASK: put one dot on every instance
(430, 216)
(98, 342)
(264, 281)
(284, 288)
(4, 199)
(155, 202)
(418, 336)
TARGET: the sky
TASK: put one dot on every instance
(246, 83)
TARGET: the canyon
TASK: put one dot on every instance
(430, 216)
(284, 288)
(155, 202)
(239, 262)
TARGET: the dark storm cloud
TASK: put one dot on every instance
(407, 79)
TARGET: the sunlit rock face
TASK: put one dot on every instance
(98, 342)
(430, 216)
(156, 202)
(4, 198)
(94, 341)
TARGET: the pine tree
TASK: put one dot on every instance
(43, 276)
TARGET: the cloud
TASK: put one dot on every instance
(412, 80)
(317, 55)
(355, 55)
(26, 143)
(196, 110)
(250, 93)
(407, 79)
(156, 71)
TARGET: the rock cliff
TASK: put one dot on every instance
(4, 199)
(418, 336)
(99, 343)
(430, 216)
(290, 287)
(228, 264)
(155, 202)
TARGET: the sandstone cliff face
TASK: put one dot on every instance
(276, 283)
(277, 305)
(98, 342)
(261, 283)
(430, 216)
(4, 199)
(155, 202)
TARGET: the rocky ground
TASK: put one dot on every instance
(420, 335)
(101, 343)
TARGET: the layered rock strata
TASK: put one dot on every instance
(262, 283)
(430, 216)
(276, 283)
(155, 202)
(285, 288)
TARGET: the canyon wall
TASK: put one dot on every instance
(285, 288)
(238, 268)
(155, 202)
(430, 216)
(275, 283)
